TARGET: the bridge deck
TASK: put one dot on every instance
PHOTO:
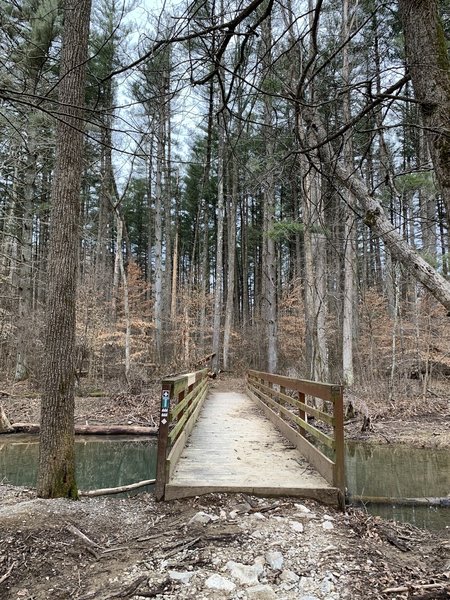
(234, 447)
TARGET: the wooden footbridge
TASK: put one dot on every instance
(283, 436)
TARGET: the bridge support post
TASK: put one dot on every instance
(163, 439)
(339, 466)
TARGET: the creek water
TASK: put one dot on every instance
(371, 470)
(101, 461)
(398, 471)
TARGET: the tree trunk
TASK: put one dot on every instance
(269, 267)
(56, 473)
(429, 64)
(229, 308)
(158, 301)
(218, 293)
(349, 226)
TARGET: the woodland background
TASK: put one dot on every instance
(208, 221)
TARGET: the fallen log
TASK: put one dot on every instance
(90, 429)
(400, 501)
(117, 490)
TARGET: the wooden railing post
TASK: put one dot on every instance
(163, 438)
(280, 401)
(339, 467)
(301, 413)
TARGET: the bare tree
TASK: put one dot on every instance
(56, 476)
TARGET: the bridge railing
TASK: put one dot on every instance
(182, 397)
(284, 400)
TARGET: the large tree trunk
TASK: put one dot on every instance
(218, 292)
(229, 307)
(429, 64)
(269, 266)
(56, 475)
(348, 301)
(158, 301)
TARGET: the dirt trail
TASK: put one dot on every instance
(216, 546)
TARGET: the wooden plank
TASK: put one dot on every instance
(328, 495)
(322, 437)
(325, 391)
(184, 402)
(318, 460)
(178, 447)
(228, 433)
(299, 403)
(187, 413)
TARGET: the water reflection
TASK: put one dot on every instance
(400, 472)
(101, 461)
(397, 471)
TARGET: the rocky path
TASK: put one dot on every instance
(212, 547)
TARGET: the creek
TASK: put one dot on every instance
(372, 470)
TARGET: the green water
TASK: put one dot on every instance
(400, 472)
(101, 461)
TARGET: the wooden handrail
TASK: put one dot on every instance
(181, 399)
(279, 406)
(205, 360)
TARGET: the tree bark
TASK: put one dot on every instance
(229, 312)
(218, 292)
(269, 265)
(158, 301)
(56, 473)
(349, 226)
(429, 64)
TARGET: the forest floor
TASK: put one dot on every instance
(211, 547)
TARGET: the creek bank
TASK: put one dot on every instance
(216, 546)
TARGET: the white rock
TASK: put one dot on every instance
(233, 514)
(243, 508)
(245, 574)
(182, 576)
(217, 582)
(289, 576)
(327, 586)
(200, 518)
(259, 516)
(274, 559)
(327, 525)
(308, 597)
(328, 518)
(307, 584)
(257, 535)
(302, 508)
(261, 592)
(296, 526)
